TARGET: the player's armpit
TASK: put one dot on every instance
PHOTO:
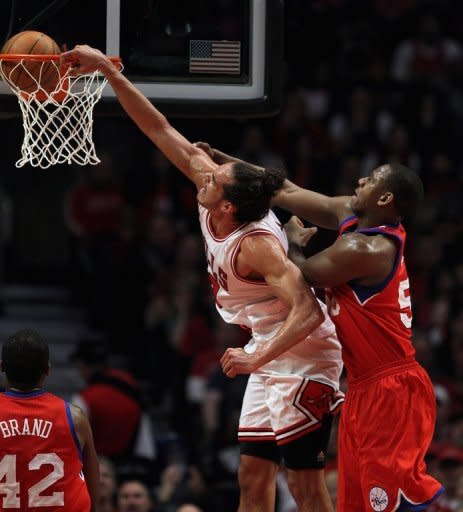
(287, 283)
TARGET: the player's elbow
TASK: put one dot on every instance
(157, 128)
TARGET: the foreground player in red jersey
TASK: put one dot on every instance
(45, 443)
(388, 419)
(387, 422)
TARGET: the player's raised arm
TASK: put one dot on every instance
(287, 283)
(191, 160)
(90, 462)
(324, 211)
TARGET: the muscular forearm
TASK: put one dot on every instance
(299, 324)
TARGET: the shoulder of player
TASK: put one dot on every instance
(359, 244)
(261, 243)
(79, 417)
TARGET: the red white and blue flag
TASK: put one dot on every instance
(217, 57)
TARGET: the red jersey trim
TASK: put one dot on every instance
(298, 435)
(292, 427)
(258, 232)
(210, 229)
(254, 429)
(250, 438)
(347, 222)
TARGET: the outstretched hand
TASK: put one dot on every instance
(83, 58)
(297, 233)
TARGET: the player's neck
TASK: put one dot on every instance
(370, 221)
(17, 390)
(223, 226)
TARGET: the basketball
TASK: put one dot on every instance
(29, 74)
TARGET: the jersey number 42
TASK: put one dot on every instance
(10, 487)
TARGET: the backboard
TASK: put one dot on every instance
(193, 58)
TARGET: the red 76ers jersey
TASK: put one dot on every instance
(374, 322)
(40, 457)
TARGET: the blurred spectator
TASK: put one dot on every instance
(253, 149)
(108, 485)
(112, 401)
(134, 496)
(394, 8)
(188, 507)
(6, 221)
(221, 408)
(427, 56)
(94, 212)
(182, 483)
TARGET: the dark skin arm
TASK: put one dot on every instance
(91, 467)
(287, 283)
(367, 260)
(324, 211)
(220, 157)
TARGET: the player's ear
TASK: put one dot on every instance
(228, 207)
(47, 371)
(386, 199)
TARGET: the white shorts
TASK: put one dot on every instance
(283, 408)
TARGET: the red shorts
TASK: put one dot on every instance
(386, 427)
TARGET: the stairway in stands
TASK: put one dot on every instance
(48, 310)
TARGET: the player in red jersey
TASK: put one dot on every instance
(47, 457)
(388, 419)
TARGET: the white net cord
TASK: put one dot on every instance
(57, 124)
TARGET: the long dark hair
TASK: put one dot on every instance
(252, 190)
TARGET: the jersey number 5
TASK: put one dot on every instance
(405, 303)
(11, 487)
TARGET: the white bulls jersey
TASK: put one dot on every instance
(251, 304)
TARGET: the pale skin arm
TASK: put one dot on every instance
(368, 260)
(91, 467)
(191, 160)
(287, 283)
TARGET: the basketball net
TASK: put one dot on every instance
(57, 123)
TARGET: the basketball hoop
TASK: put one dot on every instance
(57, 108)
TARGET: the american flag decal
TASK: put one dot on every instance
(217, 57)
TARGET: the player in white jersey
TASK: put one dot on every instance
(294, 358)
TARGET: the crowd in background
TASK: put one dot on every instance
(366, 82)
